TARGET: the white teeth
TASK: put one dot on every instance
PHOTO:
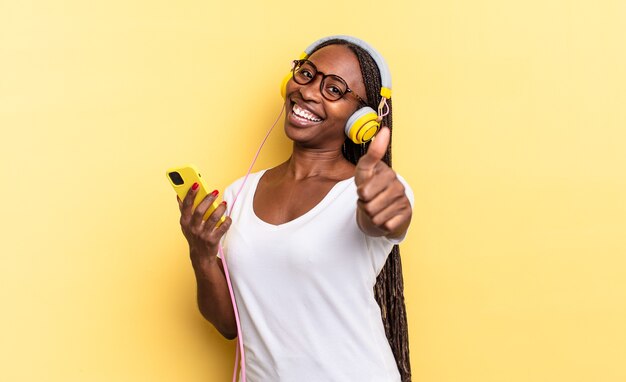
(302, 113)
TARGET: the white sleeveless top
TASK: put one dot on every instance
(304, 290)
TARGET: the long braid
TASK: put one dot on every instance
(389, 287)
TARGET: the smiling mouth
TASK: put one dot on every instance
(305, 114)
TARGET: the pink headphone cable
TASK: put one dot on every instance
(239, 348)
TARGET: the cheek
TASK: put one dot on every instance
(340, 116)
(340, 110)
(290, 87)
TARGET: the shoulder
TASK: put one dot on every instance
(236, 186)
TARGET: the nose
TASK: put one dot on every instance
(312, 90)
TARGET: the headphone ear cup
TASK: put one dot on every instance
(362, 125)
(283, 85)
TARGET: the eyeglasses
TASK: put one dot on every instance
(332, 86)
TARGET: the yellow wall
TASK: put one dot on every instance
(509, 122)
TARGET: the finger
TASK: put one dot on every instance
(202, 207)
(398, 224)
(392, 218)
(376, 150)
(223, 228)
(189, 199)
(180, 203)
(389, 213)
(382, 201)
(211, 222)
(217, 234)
(368, 190)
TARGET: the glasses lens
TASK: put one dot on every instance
(334, 87)
(304, 72)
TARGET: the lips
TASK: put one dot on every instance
(304, 115)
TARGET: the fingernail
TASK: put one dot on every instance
(195, 186)
(214, 193)
(224, 202)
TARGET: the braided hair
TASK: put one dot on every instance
(389, 287)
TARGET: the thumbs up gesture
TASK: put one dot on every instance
(383, 208)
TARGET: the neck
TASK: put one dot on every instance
(308, 162)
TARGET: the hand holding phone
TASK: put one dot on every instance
(202, 219)
(182, 179)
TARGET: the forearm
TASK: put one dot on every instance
(213, 296)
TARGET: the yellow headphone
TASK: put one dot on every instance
(365, 122)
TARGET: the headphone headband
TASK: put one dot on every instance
(385, 74)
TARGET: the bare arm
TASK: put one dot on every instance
(214, 298)
(203, 238)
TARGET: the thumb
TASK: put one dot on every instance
(376, 151)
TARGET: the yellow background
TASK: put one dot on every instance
(510, 124)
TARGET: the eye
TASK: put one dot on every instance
(305, 72)
(334, 90)
(335, 87)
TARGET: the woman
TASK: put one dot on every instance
(308, 238)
